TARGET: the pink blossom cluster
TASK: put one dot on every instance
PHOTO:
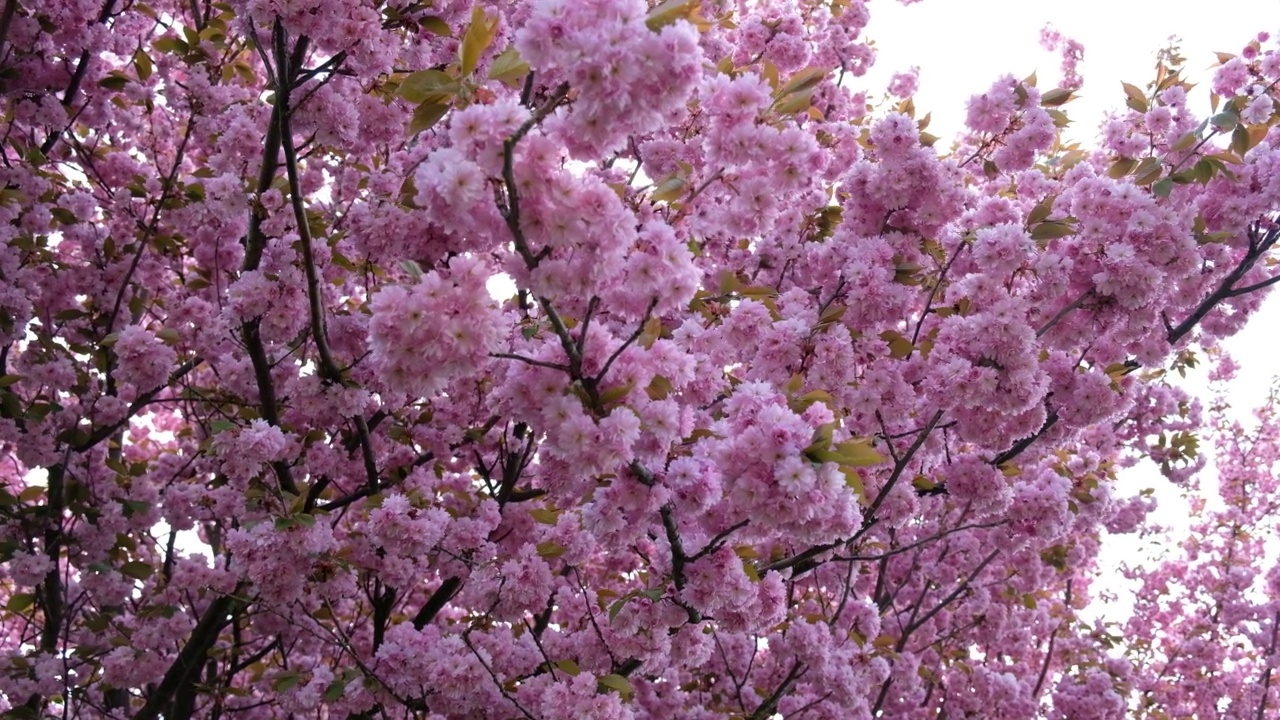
(615, 359)
(426, 334)
(144, 359)
(628, 78)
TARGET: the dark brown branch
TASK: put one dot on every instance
(678, 560)
(191, 658)
(677, 547)
(719, 540)
(1026, 442)
(329, 371)
(933, 291)
(955, 594)
(919, 543)
(1266, 675)
(1073, 305)
(436, 602)
(1053, 636)
(255, 242)
(328, 368)
(383, 601)
(628, 342)
(77, 77)
(502, 688)
(766, 708)
(1255, 287)
(266, 395)
(52, 588)
(899, 467)
(6, 20)
(531, 361)
(107, 431)
(804, 561)
(1259, 243)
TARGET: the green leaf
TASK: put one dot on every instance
(616, 606)
(419, 87)
(670, 11)
(1136, 99)
(115, 80)
(1147, 172)
(804, 80)
(803, 402)
(923, 484)
(413, 268)
(545, 516)
(1121, 167)
(335, 690)
(508, 67)
(286, 681)
(659, 388)
(1056, 97)
(1225, 120)
(142, 61)
(618, 683)
(435, 25)
(137, 570)
(20, 601)
(794, 103)
(1060, 119)
(171, 44)
(858, 453)
(478, 38)
(1041, 211)
(568, 667)
(614, 394)
(900, 348)
(854, 481)
(1240, 141)
(1203, 171)
(550, 549)
(669, 189)
(1184, 142)
(1051, 229)
(427, 115)
(1162, 188)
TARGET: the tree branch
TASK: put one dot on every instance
(77, 77)
(1259, 243)
(191, 657)
(436, 602)
(328, 368)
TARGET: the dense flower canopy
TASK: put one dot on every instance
(598, 358)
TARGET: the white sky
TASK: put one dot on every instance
(962, 47)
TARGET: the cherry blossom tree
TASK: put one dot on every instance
(791, 409)
(1203, 634)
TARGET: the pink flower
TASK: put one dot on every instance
(144, 360)
(903, 85)
(1258, 110)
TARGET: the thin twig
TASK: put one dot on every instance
(1048, 653)
(1075, 304)
(531, 361)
